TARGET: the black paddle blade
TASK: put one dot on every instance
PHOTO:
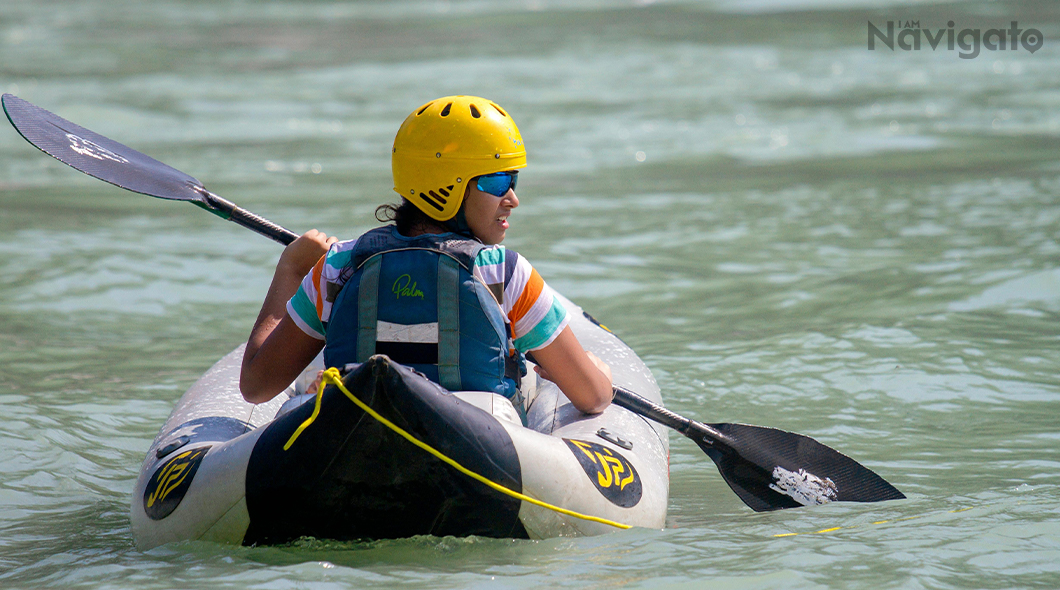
(98, 156)
(772, 469)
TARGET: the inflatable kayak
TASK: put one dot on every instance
(388, 454)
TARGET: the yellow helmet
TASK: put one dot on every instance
(445, 143)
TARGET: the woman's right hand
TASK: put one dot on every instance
(300, 255)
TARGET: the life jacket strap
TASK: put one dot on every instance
(449, 323)
(513, 369)
(368, 308)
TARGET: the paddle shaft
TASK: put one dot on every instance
(232, 212)
(697, 431)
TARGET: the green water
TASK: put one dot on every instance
(790, 229)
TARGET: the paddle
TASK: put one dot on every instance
(768, 469)
(122, 166)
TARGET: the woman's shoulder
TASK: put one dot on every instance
(498, 255)
(341, 250)
(497, 264)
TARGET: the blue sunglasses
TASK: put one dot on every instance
(499, 183)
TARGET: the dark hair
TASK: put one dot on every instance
(406, 216)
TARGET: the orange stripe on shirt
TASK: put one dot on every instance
(529, 296)
(318, 268)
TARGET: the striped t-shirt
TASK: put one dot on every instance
(529, 305)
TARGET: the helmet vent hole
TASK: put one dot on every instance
(431, 201)
(425, 107)
(474, 112)
(445, 111)
(499, 109)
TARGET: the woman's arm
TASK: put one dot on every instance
(278, 350)
(580, 375)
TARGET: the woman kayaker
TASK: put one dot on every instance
(435, 290)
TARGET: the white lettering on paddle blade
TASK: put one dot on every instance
(92, 149)
(806, 488)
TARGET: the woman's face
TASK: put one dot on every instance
(487, 215)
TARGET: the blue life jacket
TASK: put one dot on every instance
(417, 301)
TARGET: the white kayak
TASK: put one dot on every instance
(227, 471)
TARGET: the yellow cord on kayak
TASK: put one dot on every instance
(332, 375)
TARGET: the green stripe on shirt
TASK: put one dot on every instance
(306, 311)
(490, 256)
(339, 259)
(544, 330)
